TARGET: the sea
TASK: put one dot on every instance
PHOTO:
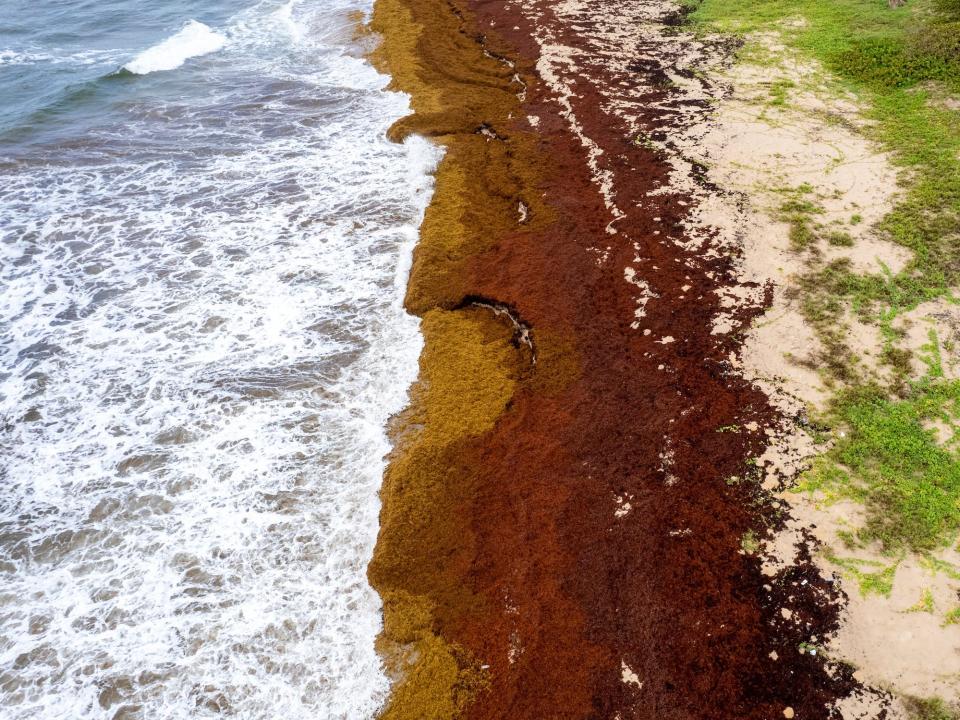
(204, 242)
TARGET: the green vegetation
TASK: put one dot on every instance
(750, 543)
(949, 8)
(888, 459)
(877, 582)
(798, 211)
(904, 63)
(924, 604)
(839, 238)
(941, 566)
(930, 709)
(778, 92)
(809, 648)
(888, 56)
(863, 41)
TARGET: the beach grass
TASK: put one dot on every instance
(888, 457)
(903, 64)
(930, 709)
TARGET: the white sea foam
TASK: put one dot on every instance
(199, 349)
(193, 40)
(56, 56)
(285, 16)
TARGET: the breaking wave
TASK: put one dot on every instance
(193, 40)
(202, 337)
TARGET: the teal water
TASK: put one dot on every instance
(204, 237)
(60, 60)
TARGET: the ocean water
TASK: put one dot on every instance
(204, 238)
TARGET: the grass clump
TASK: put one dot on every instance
(924, 604)
(750, 543)
(799, 210)
(887, 458)
(779, 91)
(877, 582)
(937, 565)
(838, 238)
(900, 62)
(930, 709)
(948, 8)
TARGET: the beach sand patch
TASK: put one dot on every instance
(783, 137)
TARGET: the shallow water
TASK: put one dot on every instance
(202, 256)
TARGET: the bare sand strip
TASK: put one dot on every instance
(756, 149)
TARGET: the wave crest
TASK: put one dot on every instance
(193, 40)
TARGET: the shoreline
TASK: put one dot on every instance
(577, 508)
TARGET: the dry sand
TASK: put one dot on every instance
(751, 148)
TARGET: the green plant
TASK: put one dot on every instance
(937, 565)
(930, 355)
(749, 543)
(929, 709)
(778, 91)
(849, 539)
(878, 582)
(839, 238)
(807, 648)
(940, 41)
(948, 8)
(888, 460)
(924, 604)
(896, 62)
(729, 429)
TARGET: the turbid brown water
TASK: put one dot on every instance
(565, 511)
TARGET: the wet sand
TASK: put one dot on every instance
(567, 510)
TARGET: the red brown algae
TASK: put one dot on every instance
(560, 538)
